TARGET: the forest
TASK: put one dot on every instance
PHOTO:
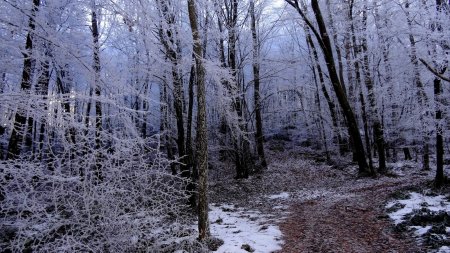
(224, 126)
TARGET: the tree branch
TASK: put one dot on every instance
(294, 3)
(432, 70)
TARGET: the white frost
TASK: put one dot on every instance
(283, 195)
(419, 230)
(415, 202)
(237, 227)
(444, 249)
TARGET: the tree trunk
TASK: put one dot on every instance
(256, 95)
(320, 118)
(377, 127)
(421, 95)
(202, 131)
(172, 51)
(336, 46)
(42, 90)
(366, 131)
(439, 178)
(20, 118)
(97, 88)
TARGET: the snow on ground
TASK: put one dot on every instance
(444, 249)
(415, 202)
(237, 227)
(419, 230)
(283, 195)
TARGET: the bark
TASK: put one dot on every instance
(392, 117)
(191, 162)
(42, 90)
(320, 118)
(421, 96)
(407, 153)
(439, 178)
(240, 142)
(189, 148)
(172, 47)
(64, 89)
(145, 103)
(202, 136)
(164, 127)
(356, 64)
(97, 88)
(336, 46)
(20, 118)
(256, 95)
(366, 131)
(377, 127)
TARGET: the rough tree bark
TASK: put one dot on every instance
(202, 134)
(439, 178)
(97, 88)
(256, 95)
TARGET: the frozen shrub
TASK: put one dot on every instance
(136, 205)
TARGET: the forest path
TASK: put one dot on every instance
(319, 208)
(350, 219)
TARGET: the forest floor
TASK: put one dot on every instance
(322, 208)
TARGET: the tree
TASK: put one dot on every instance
(327, 50)
(421, 94)
(168, 36)
(441, 8)
(98, 105)
(377, 127)
(202, 136)
(259, 137)
(20, 119)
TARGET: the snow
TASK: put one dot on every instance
(283, 195)
(415, 202)
(444, 249)
(237, 227)
(419, 230)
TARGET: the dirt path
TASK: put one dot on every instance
(328, 209)
(354, 222)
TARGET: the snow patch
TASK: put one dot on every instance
(237, 227)
(419, 230)
(444, 249)
(283, 195)
(415, 202)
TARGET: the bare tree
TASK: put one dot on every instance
(327, 50)
(97, 79)
(256, 95)
(202, 136)
(20, 119)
